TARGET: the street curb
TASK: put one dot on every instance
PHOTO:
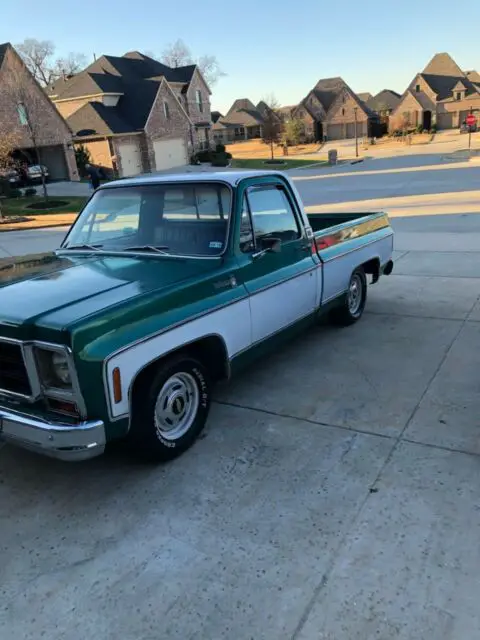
(45, 226)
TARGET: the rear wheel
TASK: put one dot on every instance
(353, 303)
(168, 417)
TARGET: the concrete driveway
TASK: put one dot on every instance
(334, 495)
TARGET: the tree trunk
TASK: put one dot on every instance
(271, 148)
(44, 184)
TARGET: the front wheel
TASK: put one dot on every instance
(168, 417)
(353, 303)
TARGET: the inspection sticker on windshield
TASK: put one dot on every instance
(215, 245)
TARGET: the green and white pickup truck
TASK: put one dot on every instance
(162, 287)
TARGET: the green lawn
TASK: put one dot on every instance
(289, 163)
(18, 206)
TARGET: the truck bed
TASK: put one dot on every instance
(346, 240)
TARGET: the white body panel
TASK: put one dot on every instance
(232, 323)
(282, 305)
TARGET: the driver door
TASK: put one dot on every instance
(279, 276)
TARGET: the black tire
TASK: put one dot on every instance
(152, 408)
(348, 313)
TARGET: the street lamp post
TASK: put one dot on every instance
(355, 109)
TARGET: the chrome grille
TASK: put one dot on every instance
(13, 372)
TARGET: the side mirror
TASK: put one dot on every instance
(271, 244)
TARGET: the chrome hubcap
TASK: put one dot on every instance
(355, 294)
(176, 406)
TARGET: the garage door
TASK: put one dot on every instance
(54, 159)
(335, 131)
(130, 159)
(351, 129)
(169, 153)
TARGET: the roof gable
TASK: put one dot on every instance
(442, 64)
(338, 102)
(327, 89)
(460, 86)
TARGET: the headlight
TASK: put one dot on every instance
(53, 369)
(60, 367)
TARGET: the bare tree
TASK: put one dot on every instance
(177, 54)
(39, 57)
(272, 125)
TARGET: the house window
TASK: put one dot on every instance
(166, 110)
(458, 95)
(198, 99)
(343, 112)
(417, 88)
(22, 114)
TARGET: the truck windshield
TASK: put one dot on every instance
(182, 219)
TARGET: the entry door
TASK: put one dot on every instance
(130, 159)
(281, 284)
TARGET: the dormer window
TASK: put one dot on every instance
(417, 88)
(198, 100)
(166, 110)
(458, 95)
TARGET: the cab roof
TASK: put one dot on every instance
(230, 177)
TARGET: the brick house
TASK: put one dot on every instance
(383, 104)
(332, 111)
(22, 100)
(442, 95)
(135, 114)
(243, 121)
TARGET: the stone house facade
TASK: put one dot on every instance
(329, 111)
(135, 115)
(243, 121)
(27, 111)
(442, 95)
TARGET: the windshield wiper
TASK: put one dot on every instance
(90, 247)
(148, 247)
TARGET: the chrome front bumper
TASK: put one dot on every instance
(55, 439)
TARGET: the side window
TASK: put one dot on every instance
(272, 214)
(246, 230)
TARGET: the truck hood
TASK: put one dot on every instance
(53, 291)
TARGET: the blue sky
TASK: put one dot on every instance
(268, 46)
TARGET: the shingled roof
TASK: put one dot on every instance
(244, 113)
(95, 119)
(327, 90)
(442, 64)
(443, 85)
(135, 77)
(386, 99)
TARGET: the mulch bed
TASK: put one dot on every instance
(53, 204)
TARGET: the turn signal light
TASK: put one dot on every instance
(117, 385)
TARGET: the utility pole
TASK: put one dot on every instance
(355, 109)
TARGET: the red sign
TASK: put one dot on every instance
(471, 120)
